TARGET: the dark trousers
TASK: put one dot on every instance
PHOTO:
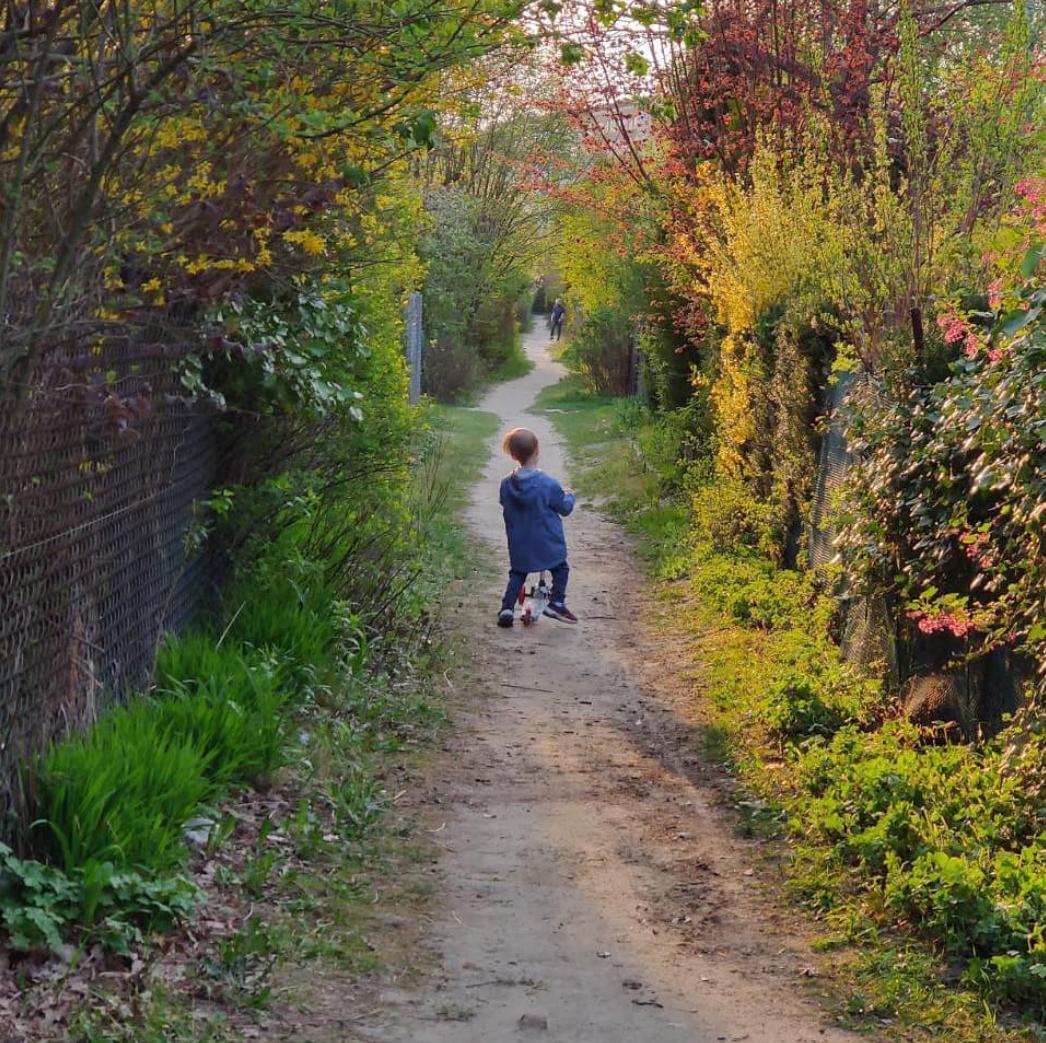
(560, 575)
(557, 329)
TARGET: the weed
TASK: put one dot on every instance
(358, 800)
(257, 871)
(40, 904)
(941, 843)
(244, 962)
(155, 1018)
(307, 830)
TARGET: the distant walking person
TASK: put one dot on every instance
(534, 505)
(558, 311)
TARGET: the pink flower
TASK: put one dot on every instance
(953, 328)
(979, 550)
(1033, 192)
(971, 346)
(1030, 189)
(995, 293)
(943, 622)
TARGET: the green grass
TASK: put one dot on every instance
(454, 458)
(515, 366)
(598, 440)
(615, 460)
(119, 793)
(292, 690)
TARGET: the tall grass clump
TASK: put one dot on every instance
(229, 703)
(283, 606)
(121, 793)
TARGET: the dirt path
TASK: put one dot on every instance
(589, 890)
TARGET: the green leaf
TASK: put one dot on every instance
(571, 54)
(355, 176)
(1032, 260)
(636, 64)
(1016, 320)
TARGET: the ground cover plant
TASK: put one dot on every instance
(771, 204)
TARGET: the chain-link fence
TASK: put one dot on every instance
(985, 689)
(832, 465)
(867, 633)
(101, 461)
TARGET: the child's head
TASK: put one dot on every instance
(522, 445)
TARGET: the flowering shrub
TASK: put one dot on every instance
(948, 502)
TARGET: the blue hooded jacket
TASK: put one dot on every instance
(535, 505)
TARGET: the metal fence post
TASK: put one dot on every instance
(636, 383)
(415, 346)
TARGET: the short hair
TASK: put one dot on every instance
(520, 443)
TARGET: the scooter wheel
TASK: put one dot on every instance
(526, 618)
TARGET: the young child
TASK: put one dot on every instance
(534, 505)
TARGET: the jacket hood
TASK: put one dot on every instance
(523, 486)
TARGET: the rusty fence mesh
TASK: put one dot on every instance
(100, 465)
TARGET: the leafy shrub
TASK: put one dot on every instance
(948, 500)
(950, 839)
(299, 353)
(663, 443)
(601, 351)
(816, 700)
(472, 291)
(452, 368)
(752, 592)
(728, 517)
(947, 839)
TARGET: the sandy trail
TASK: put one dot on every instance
(589, 892)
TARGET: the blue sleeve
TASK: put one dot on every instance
(562, 503)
